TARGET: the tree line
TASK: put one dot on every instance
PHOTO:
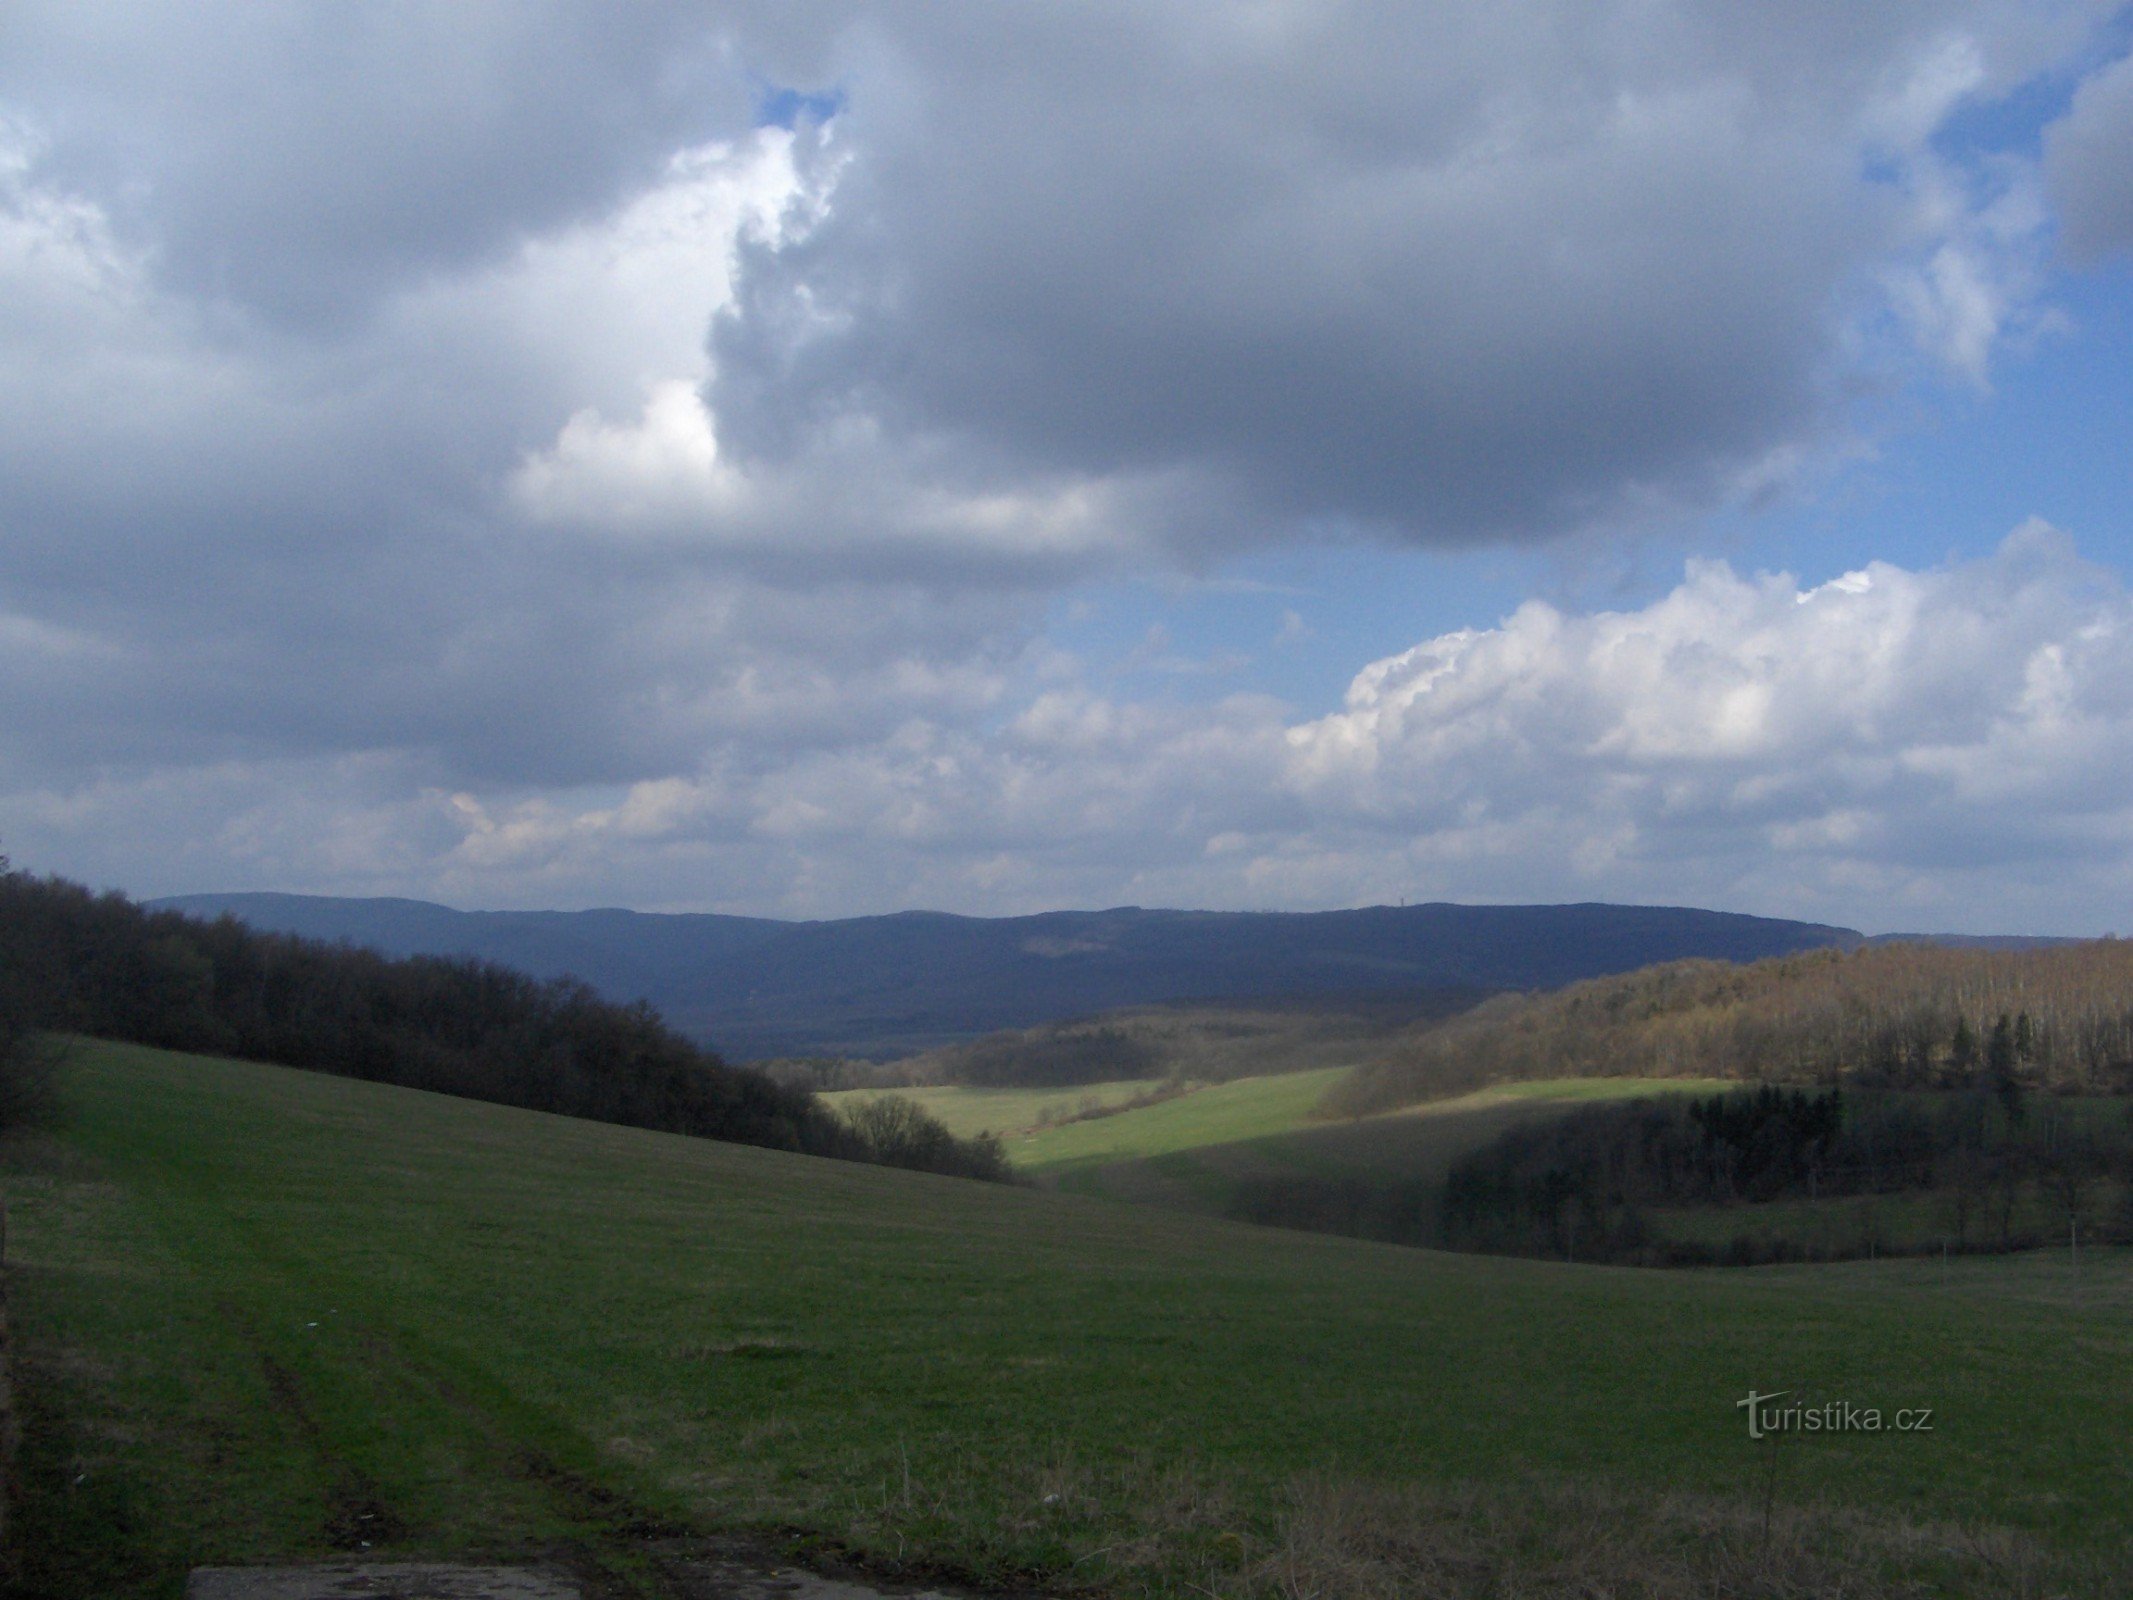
(1580, 1187)
(1898, 1015)
(1054, 1057)
(76, 962)
(1584, 1185)
(1057, 1055)
(26, 1054)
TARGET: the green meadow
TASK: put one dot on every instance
(1859, 1224)
(267, 1314)
(1218, 1113)
(968, 1109)
(1196, 1152)
(1046, 1131)
(1194, 1149)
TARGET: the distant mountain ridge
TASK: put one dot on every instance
(885, 986)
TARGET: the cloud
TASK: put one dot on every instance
(1938, 748)
(300, 162)
(2089, 163)
(1751, 726)
(1450, 279)
(459, 449)
(429, 541)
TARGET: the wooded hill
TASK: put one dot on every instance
(76, 962)
(1199, 1044)
(1894, 1015)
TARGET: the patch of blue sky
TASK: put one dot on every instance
(2014, 123)
(1295, 623)
(781, 106)
(1952, 473)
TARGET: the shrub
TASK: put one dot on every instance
(902, 1133)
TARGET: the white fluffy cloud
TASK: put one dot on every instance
(1916, 725)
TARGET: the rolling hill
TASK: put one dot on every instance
(891, 985)
(264, 1314)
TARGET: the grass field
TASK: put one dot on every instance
(1856, 1224)
(261, 1313)
(1213, 1113)
(1201, 1173)
(966, 1109)
(1219, 1113)
(1190, 1149)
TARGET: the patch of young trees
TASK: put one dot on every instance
(1900, 1015)
(1051, 1058)
(76, 962)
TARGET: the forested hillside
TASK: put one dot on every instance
(76, 962)
(1894, 1015)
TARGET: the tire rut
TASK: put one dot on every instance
(357, 1516)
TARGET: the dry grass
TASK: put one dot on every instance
(1133, 1528)
(1363, 1542)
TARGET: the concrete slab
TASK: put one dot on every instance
(691, 1570)
(378, 1580)
(732, 1580)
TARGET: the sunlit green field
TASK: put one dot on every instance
(966, 1109)
(263, 1313)
(1192, 1147)
(1220, 1113)
(1205, 1114)
(1417, 1144)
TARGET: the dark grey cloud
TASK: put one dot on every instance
(299, 159)
(2089, 162)
(226, 539)
(1451, 274)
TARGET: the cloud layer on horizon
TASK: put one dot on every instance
(1943, 749)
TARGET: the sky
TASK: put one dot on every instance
(814, 459)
